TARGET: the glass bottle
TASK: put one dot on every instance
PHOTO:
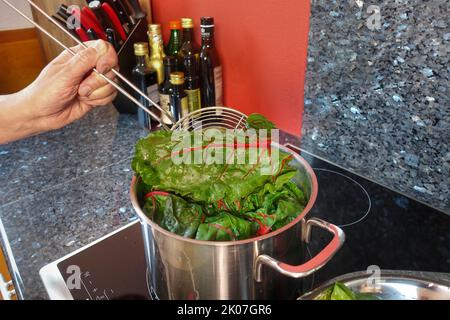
(157, 50)
(189, 57)
(178, 97)
(210, 67)
(192, 88)
(166, 87)
(189, 50)
(146, 80)
(174, 45)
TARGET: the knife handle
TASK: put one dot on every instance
(82, 34)
(64, 25)
(91, 16)
(109, 11)
(138, 13)
(88, 23)
(96, 8)
(62, 12)
(92, 34)
(121, 13)
(111, 36)
(125, 8)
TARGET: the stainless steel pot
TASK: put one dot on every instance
(390, 285)
(265, 267)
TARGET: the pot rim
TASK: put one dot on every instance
(309, 205)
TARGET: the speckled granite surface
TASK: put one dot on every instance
(62, 190)
(377, 101)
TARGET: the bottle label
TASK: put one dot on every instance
(207, 31)
(194, 99)
(164, 102)
(153, 93)
(184, 107)
(218, 85)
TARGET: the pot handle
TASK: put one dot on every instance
(312, 265)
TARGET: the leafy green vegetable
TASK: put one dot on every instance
(199, 182)
(225, 227)
(326, 294)
(174, 213)
(340, 291)
(215, 201)
(258, 121)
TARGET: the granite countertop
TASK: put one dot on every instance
(61, 190)
(377, 92)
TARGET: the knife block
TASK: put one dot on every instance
(127, 61)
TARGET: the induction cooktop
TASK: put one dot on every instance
(384, 230)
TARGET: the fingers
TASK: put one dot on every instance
(100, 93)
(94, 87)
(100, 55)
(108, 59)
(82, 63)
(76, 71)
(65, 56)
(102, 101)
(94, 83)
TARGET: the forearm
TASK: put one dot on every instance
(15, 120)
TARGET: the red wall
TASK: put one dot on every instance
(263, 46)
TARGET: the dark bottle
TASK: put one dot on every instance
(174, 45)
(178, 97)
(210, 67)
(192, 88)
(146, 80)
(189, 57)
(166, 87)
(189, 52)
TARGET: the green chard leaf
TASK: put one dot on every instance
(225, 227)
(215, 202)
(174, 213)
(341, 292)
(258, 121)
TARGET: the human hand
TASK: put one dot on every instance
(67, 89)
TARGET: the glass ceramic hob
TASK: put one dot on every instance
(384, 229)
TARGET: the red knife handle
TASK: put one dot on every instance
(115, 20)
(82, 34)
(91, 15)
(88, 23)
(121, 14)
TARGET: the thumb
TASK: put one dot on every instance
(85, 60)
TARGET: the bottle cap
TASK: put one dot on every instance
(207, 22)
(177, 78)
(141, 48)
(154, 28)
(174, 25)
(187, 23)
